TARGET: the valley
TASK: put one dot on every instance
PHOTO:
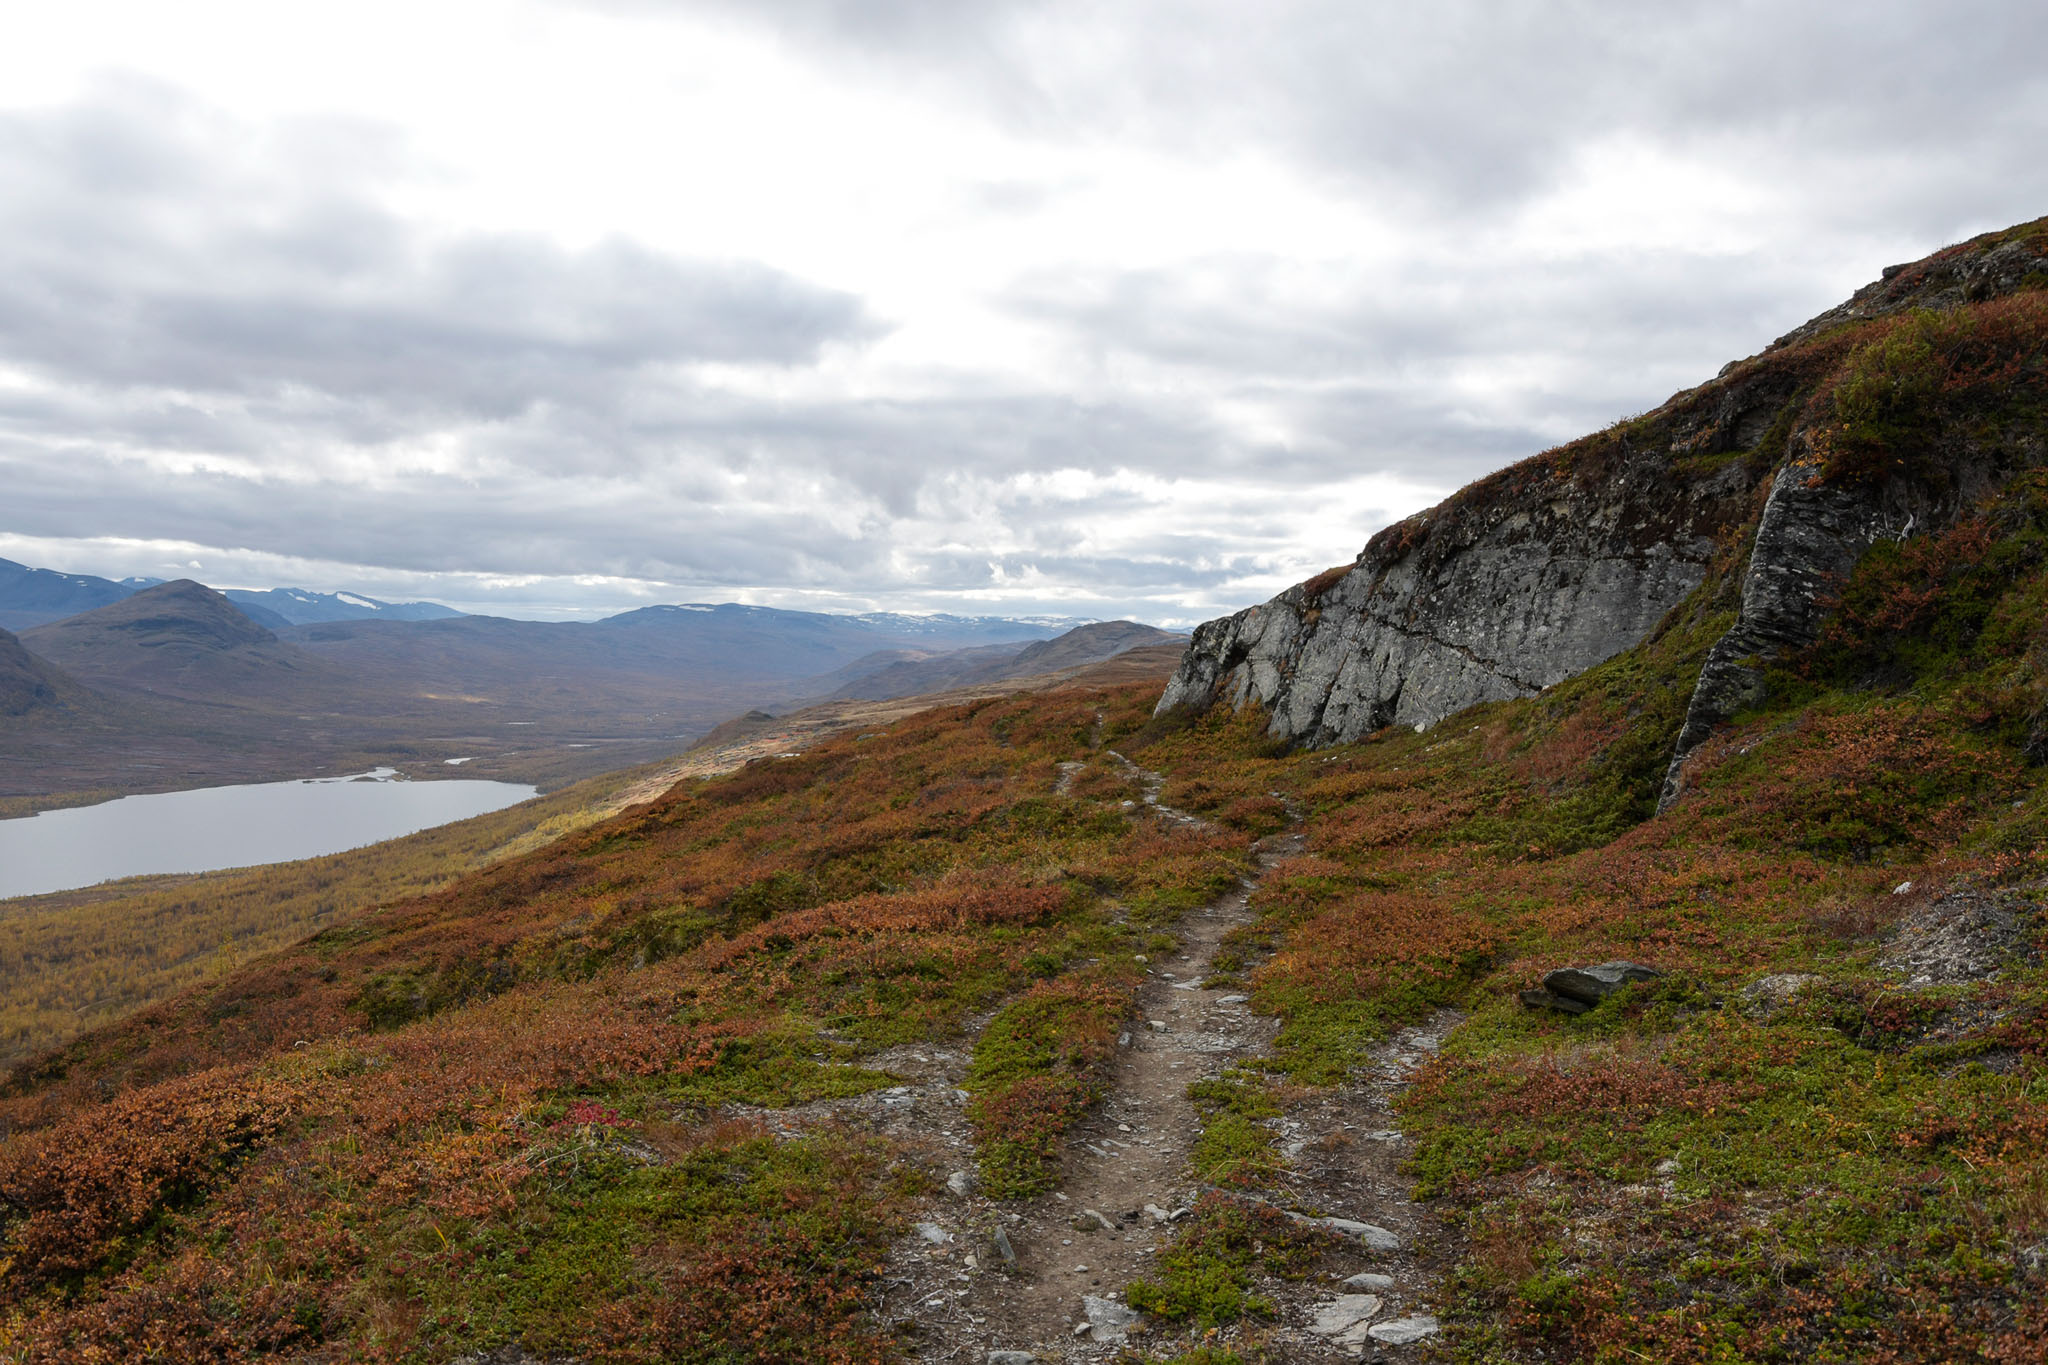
(175, 686)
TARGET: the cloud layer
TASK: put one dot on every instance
(1136, 310)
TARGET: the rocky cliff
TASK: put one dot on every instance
(1882, 417)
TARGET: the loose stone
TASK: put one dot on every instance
(1108, 1320)
(1402, 1331)
(1346, 1319)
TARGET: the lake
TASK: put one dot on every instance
(220, 827)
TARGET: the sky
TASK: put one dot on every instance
(1102, 309)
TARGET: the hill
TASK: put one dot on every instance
(181, 639)
(1072, 1025)
(1891, 414)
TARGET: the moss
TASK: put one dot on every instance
(773, 1070)
(1205, 1277)
(1234, 1147)
(1036, 1068)
(1923, 383)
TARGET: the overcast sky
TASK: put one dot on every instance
(1092, 309)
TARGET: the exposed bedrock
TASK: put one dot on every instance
(1808, 540)
(1516, 583)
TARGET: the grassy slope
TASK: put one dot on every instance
(473, 1062)
(75, 960)
(498, 1113)
(72, 961)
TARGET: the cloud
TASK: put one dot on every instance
(131, 257)
(1473, 106)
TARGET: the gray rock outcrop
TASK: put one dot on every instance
(1517, 583)
(1809, 538)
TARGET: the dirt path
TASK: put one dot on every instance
(1126, 1173)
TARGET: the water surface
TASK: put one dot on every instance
(220, 827)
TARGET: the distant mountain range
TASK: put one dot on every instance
(909, 673)
(298, 607)
(35, 597)
(176, 684)
(30, 597)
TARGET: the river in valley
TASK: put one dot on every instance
(219, 827)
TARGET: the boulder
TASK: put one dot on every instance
(1590, 985)
(1374, 1236)
(1108, 1320)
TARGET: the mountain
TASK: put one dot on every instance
(902, 674)
(34, 597)
(180, 639)
(906, 672)
(961, 631)
(1895, 413)
(1088, 644)
(688, 661)
(204, 688)
(31, 597)
(803, 643)
(299, 607)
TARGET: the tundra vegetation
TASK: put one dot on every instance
(73, 960)
(526, 1107)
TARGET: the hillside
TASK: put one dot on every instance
(1898, 412)
(26, 682)
(74, 960)
(1097, 1026)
